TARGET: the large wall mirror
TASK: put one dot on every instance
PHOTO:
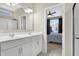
(18, 19)
(24, 23)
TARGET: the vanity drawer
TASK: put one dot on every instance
(13, 43)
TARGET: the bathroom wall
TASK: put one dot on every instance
(39, 15)
(30, 22)
(68, 29)
(40, 22)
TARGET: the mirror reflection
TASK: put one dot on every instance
(16, 17)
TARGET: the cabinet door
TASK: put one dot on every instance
(39, 45)
(3, 53)
(36, 47)
(27, 49)
(12, 52)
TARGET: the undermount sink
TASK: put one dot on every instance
(22, 35)
(11, 36)
(17, 36)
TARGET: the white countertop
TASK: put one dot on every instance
(6, 36)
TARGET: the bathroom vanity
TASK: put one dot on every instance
(21, 44)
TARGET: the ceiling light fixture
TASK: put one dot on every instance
(11, 4)
(28, 10)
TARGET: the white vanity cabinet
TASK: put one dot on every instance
(27, 46)
(23, 50)
(27, 49)
(16, 47)
(11, 52)
(36, 45)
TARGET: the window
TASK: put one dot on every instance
(54, 25)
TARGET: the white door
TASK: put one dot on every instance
(27, 49)
(36, 47)
(3, 53)
(11, 52)
(76, 28)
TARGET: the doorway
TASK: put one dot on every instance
(54, 30)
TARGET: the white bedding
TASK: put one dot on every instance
(55, 37)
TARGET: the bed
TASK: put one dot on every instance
(55, 37)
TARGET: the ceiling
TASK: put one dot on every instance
(17, 6)
(57, 9)
(25, 5)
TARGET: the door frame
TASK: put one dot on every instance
(73, 8)
(45, 28)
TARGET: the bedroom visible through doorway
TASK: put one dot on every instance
(54, 31)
